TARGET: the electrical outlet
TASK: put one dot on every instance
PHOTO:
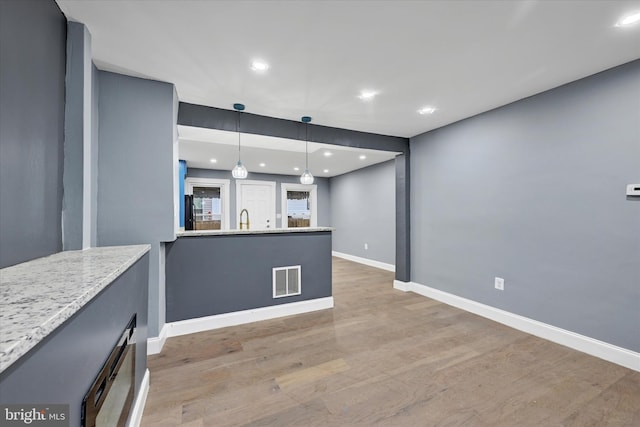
(499, 283)
(366, 246)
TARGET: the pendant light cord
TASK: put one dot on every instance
(238, 130)
(306, 144)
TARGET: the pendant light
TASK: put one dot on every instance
(239, 171)
(306, 178)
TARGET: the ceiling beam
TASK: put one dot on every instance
(218, 118)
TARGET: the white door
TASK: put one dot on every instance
(258, 198)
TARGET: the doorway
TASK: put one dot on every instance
(210, 202)
(259, 199)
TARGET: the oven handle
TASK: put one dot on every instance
(97, 393)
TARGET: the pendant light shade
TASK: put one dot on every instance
(239, 171)
(306, 178)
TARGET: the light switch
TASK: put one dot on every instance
(633, 190)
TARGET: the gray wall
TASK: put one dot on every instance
(62, 367)
(363, 210)
(78, 133)
(32, 54)
(534, 192)
(208, 275)
(403, 217)
(94, 155)
(135, 182)
(324, 212)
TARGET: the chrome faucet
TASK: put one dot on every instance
(245, 223)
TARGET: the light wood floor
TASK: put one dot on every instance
(383, 357)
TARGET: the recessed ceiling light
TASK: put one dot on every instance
(328, 153)
(213, 160)
(263, 165)
(427, 110)
(628, 20)
(367, 94)
(296, 168)
(259, 66)
(362, 157)
(326, 171)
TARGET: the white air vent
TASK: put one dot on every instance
(286, 281)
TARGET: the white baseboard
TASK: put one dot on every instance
(402, 286)
(155, 344)
(138, 406)
(191, 326)
(365, 261)
(618, 355)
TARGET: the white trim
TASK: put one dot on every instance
(155, 344)
(225, 189)
(365, 261)
(243, 182)
(176, 182)
(402, 286)
(618, 355)
(141, 400)
(190, 326)
(313, 195)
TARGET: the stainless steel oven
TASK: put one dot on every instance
(109, 400)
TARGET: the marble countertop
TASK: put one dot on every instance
(251, 231)
(38, 296)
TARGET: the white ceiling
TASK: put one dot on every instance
(463, 57)
(279, 155)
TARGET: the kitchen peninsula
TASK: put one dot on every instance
(217, 278)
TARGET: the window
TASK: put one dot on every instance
(299, 205)
(286, 281)
(210, 203)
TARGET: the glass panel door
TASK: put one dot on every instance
(207, 212)
(298, 209)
